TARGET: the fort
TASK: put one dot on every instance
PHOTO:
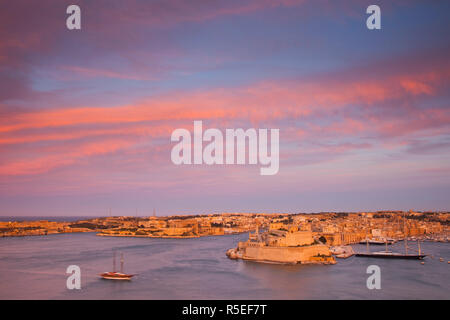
(291, 246)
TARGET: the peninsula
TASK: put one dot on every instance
(330, 228)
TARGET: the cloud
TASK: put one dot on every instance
(318, 113)
(94, 110)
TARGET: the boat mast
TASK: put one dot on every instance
(418, 244)
(114, 262)
(121, 263)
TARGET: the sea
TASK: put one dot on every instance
(34, 267)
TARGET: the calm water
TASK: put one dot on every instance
(34, 268)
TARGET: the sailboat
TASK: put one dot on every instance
(393, 255)
(114, 275)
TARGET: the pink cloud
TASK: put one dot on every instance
(261, 102)
(44, 162)
(316, 117)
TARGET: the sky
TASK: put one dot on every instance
(86, 115)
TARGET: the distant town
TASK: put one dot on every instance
(331, 228)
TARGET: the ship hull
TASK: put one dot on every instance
(378, 243)
(392, 256)
(115, 276)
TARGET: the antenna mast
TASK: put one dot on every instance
(367, 236)
(406, 236)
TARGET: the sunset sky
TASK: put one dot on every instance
(86, 115)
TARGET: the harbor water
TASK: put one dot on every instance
(35, 268)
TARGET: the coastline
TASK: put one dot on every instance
(147, 236)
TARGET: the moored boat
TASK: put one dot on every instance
(114, 275)
(391, 255)
(378, 242)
